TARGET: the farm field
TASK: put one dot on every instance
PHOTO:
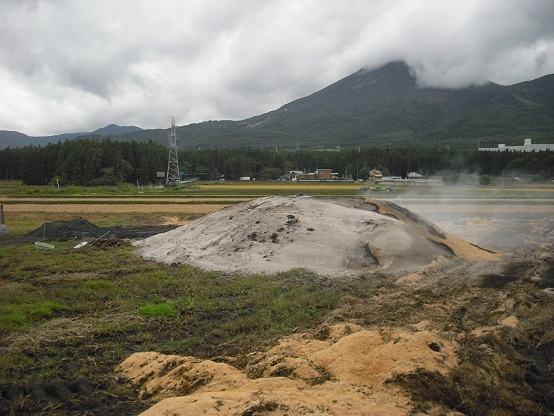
(27, 208)
(69, 317)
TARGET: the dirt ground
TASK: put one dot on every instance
(84, 209)
(466, 331)
(470, 330)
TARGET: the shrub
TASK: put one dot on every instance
(485, 180)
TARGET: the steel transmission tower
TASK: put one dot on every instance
(173, 173)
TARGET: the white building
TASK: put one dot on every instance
(415, 175)
(528, 146)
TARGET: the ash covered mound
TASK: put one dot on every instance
(67, 230)
(81, 228)
(338, 237)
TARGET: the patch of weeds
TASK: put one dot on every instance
(12, 321)
(492, 378)
(46, 309)
(247, 323)
(158, 309)
(361, 288)
(464, 391)
(14, 317)
(97, 284)
(14, 364)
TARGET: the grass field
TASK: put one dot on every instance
(69, 317)
(73, 315)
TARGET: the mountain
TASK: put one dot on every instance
(115, 130)
(9, 138)
(386, 107)
(15, 139)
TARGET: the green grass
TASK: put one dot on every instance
(88, 310)
(23, 311)
(158, 309)
(98, 284)
(10, 321)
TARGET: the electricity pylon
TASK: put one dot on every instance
(173, 174)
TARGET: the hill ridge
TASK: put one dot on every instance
(10, 138)
(384, 107)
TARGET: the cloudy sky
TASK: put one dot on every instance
(77, 65)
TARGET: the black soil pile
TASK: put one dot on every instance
(80, 228)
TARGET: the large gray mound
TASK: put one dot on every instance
(335, 237)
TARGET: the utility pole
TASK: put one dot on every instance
(173, 174)
(3, 228)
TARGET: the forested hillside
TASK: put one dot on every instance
(387, 107)
(108, 162)
(382, 107)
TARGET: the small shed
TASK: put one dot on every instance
(323, 174)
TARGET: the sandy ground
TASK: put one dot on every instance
(341, 374)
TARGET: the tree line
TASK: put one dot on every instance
(92, 162)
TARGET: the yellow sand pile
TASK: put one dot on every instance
(458, 246)
(342, 373)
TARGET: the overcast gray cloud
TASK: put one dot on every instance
(77, 65)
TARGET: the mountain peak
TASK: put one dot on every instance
(393, 75)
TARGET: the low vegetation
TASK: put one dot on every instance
(74, 314)
(69, 316)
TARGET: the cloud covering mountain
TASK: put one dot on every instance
(72, 66)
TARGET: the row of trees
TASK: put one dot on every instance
(107, 162)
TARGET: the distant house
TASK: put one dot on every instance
(323, 174)
(415, 175)
(375, 174)
(294, 174)
(318, 175)
(528, 146)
